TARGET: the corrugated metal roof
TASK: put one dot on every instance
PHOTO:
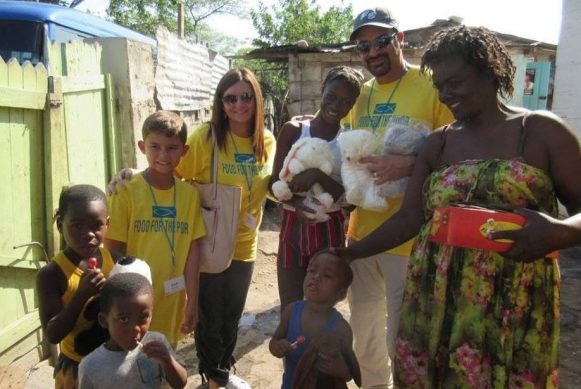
(414, 39)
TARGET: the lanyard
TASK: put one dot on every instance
(162, 215)
(244, 171)
(375, 122)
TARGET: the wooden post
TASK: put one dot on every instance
(181, 21)
(113, 138)
(56, 160)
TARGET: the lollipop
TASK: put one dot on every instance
(300, 340)
(92, 263)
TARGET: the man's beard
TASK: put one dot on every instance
(384, 69)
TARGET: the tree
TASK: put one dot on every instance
(287, 23)
(294, 20)
(146, 15)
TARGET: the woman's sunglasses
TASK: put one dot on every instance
(381, 42)
(232, 99)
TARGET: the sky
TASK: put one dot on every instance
(531, 19)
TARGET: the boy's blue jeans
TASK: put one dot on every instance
(221, 302)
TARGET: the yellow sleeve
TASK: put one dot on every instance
(119, 215)
(195, 164)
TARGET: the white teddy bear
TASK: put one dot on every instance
(360, 186)
(304, 154)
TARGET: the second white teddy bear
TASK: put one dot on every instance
(304, 154)
(359, 184)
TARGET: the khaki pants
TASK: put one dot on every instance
(375, 298)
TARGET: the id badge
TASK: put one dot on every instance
(174, 285)
(250, 221)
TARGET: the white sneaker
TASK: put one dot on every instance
(235, 382)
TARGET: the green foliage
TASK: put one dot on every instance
(287, 23)
(146, 15)
(273, 79)
(294, 20)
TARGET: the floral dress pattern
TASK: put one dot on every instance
(471, 318)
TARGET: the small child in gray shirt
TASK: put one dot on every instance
(132, 357)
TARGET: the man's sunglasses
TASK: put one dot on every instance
(232, 99)
(381, 42)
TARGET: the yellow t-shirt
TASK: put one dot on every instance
(413, 101)
(149, 228)
(237, 166)
(73, 274)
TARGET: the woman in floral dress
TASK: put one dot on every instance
(473, 318)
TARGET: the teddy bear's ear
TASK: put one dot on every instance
(284, 172)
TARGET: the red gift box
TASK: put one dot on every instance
(469, 226)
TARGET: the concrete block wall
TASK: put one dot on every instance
(306, 74)
(131, 65)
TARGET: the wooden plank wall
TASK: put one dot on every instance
(22, 213)
(55, 130)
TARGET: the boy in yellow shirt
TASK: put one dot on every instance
(157, 218)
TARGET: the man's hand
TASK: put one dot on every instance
(389, 167)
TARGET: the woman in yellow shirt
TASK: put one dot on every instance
(246, 153)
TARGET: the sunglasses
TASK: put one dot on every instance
(232, 99)
(381, 42)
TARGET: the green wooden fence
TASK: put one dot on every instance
(56, 128)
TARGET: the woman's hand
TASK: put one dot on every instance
(120, 180)
(190, 318)
(344, 253)
(538, 237)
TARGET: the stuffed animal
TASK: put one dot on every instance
(307, 376)
(304, 154)
(359, 184)
(403, 140)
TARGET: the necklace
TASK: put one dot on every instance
(165, 212)
(376, 120)
(242, 165)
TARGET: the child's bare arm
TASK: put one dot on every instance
(278, 345)
(175, 374)
(57, 319)
(192, 278)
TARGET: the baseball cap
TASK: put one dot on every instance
(380, 17)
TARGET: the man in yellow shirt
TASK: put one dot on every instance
(397, 95)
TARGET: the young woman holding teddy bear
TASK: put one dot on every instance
(300, 237)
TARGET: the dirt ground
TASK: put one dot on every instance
(263, 371)
(255, 363)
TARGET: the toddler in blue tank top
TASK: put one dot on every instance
(312, 337)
